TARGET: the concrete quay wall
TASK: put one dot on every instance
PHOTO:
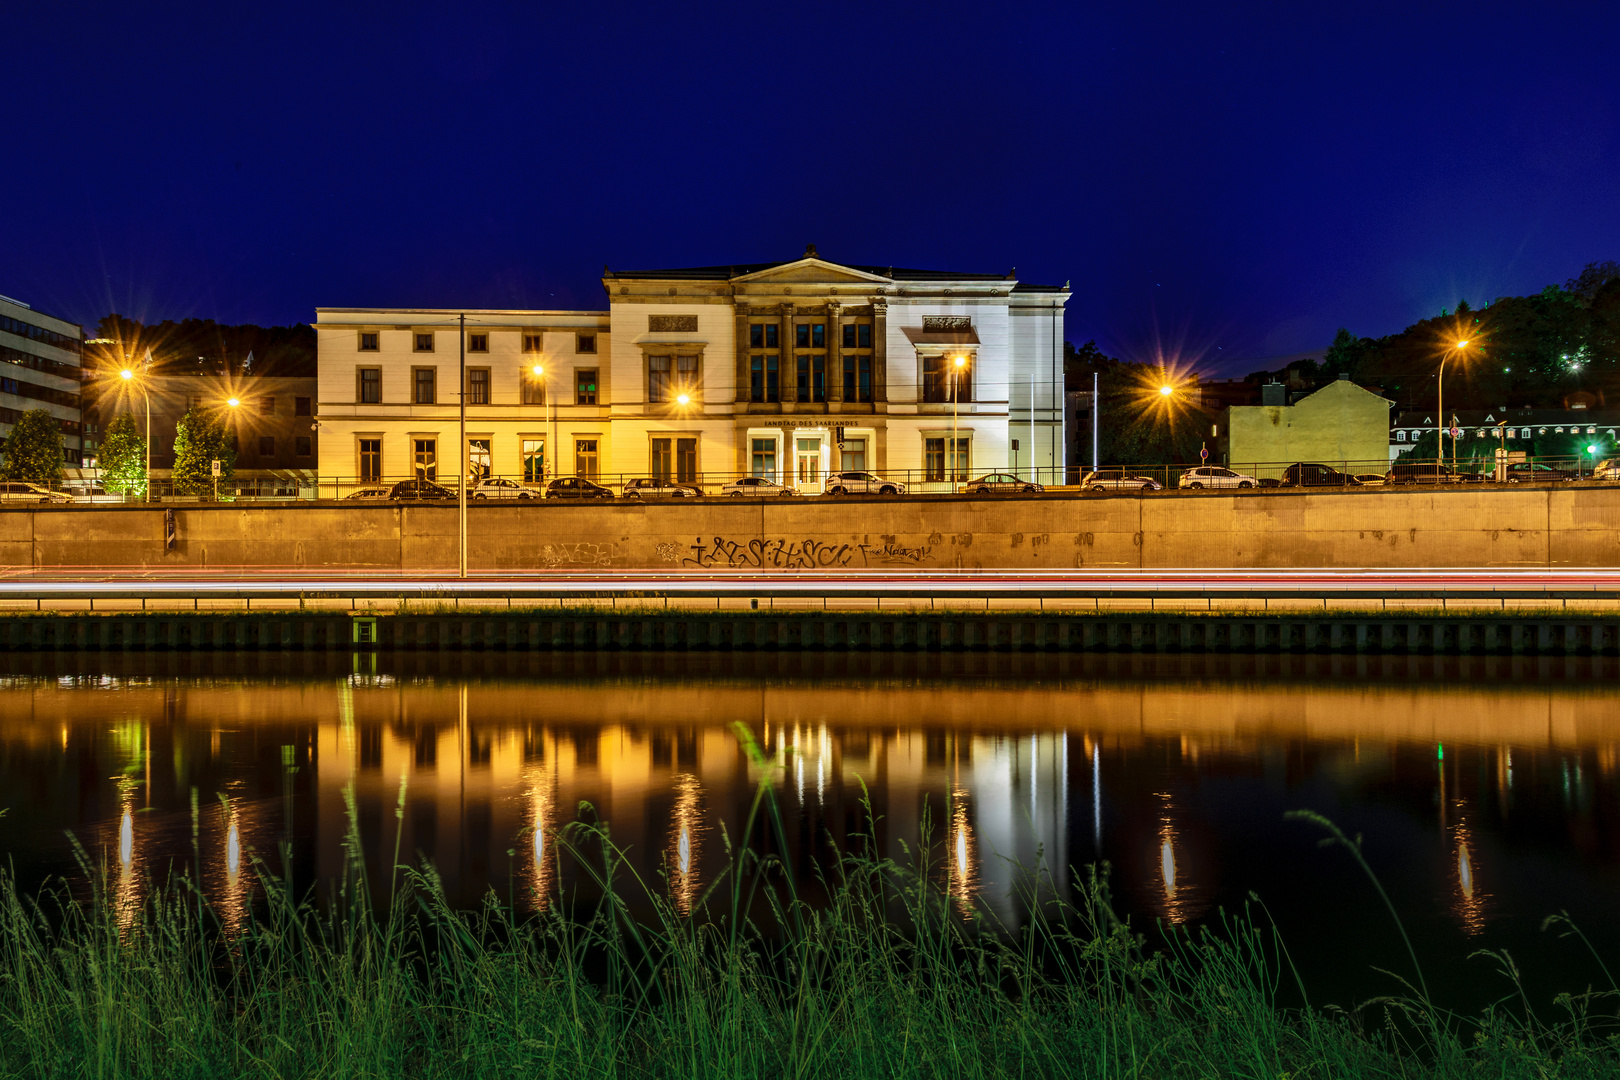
(1566, 525)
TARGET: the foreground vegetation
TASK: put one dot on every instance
(886, 978)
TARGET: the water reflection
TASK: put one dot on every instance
(1200, 767)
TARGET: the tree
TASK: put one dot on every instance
(33, 450)
(123, 458)
(1139, 425)
(198, 440)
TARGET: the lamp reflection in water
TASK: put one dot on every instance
(685, 833)
(1176, 905)
(542, 869)
(234, 896)
(127, 895)
(962, 855)
(1469, 900)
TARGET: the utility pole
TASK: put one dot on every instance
(461, 457)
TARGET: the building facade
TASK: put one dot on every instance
(41, 365)
(1342, 425)
(786, 370)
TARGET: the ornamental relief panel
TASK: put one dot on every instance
(672, 324)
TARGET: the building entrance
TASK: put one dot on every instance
(807, 475)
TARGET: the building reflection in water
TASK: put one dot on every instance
(497, 765)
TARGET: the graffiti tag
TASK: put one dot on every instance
(580, 554)
(775, 553)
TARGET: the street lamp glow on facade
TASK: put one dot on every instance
(960, 363)
(128, 375)
(539, 372)
(1441, 427)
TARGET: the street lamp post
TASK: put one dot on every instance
(1440, 447)
(957, 364)
(540, 373)
(128, 376)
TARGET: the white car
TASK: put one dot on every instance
(1117, 480)
(1607, 469)
(17, 491)
(366, 494)
(1215, 476)
(860, 483)
(756, 487)
(499, 488)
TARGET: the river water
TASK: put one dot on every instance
(1485, 790)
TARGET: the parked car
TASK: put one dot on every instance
(860, 483)
(1002, 484)
(1117, 480)
(501, 488)
(659, 489)
(1368, 479)
(1301, 474)
(367, 493)
(755, 486)
(1607, 469)
(576, 487)
(1534, 472)
(19, 492)
(420, 491)
(1215, 476)
(1420, 472)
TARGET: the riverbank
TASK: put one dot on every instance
(1550, 629)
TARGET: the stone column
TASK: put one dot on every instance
(789, 364)
(880, 351)
(835, 351)
(742, 351)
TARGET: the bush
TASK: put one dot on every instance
(33, 450)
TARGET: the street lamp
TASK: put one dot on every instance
(539, 372)
(1440, 448)
(128, 376)
(957, 364)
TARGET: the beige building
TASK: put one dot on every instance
(1340, 425)
(786, 370)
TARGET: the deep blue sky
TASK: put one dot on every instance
(1222, 180)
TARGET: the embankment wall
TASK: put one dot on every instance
(1568, 525)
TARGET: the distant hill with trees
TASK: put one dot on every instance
(205, 347)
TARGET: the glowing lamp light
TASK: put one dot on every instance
(684, 399)
(126, 373)
(1462, 344)
(961, 361)
(1166, 390)
(233, 402)
(538, 370)
(1591, 449)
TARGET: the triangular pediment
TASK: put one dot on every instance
(810, 270)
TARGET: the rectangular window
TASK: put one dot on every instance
(959, 463)
(534, 387)
(818, 378)
(810, 336)
(368, 341)
(424, 342)
(686, 375)
(533, 343)
(478, 386)
(478, 343)
(661, 461)
(585, 460)
(764, 336)
(534, 460)
(424, 377)
(764, 458)
(585, 386)
(267, 446)
(370, 386)
(857, 378)
(301, 406)
(802, 368)
(478, 460)
(585, 343)
(425, 458)
(301, 445)
(944, 381)
(267, 406)
(686, 461)
(371, 459)
(853, 454)
(764, 381)
(857, 335)
(933, 459)
(1400, 436)
(658, 379)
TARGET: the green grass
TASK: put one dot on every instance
(885, 977)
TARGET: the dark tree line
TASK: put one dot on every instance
(205, 347)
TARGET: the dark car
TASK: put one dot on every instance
(1301, 474)
(1002, 484)
(419, 491)
(1533, 472)
(659, 489)
(576, 487)
(1419, 472)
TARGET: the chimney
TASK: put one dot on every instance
(1274, 393)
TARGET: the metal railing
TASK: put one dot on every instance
(1168, 478)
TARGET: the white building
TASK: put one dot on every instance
(41, 367)
(787, 370)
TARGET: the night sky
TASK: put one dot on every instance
(1227, 182)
